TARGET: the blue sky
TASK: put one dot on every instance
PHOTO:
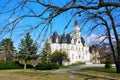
(58, 23)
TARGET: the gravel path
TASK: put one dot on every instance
(86, 66)
(72, 70)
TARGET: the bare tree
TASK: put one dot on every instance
(102, 14)
(105, 19)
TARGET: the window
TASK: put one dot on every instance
(56, 47)
(79, 56)
(72, 56)
(72, 47)
(63, 47)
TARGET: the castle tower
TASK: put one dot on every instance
(76, 39)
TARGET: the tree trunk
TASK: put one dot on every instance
(117, 64)
(5, 58)
(25, 63)
(117, 58)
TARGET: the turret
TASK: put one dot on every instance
(76, 34)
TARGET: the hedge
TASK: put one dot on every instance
(9, 65)
(46, 66)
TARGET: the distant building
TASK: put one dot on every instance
(73, 44)
(5, 57)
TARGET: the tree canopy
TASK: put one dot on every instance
(59, 57)
(46, 53)
(27, 49)
(7, 47)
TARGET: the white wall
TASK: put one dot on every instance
(76, 53)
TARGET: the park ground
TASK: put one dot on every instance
(89, 72)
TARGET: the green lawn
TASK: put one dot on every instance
(74, 64)
(98, 73)
(94, 73)
(31, 75)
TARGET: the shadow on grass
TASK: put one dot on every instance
(98, 73)
(102, 69)
(92, 77)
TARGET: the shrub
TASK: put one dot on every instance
(46, 66)
(55, 66)
(29, 66)
(9, 65)
(108, 63)
(22, 65)
(77, 64)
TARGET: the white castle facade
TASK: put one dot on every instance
(73, 44)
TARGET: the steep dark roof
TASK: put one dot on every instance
(54, 37)
(64, 38)
(83, 41)
(55, 34)
(69, 38)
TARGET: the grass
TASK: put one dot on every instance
(65, 67)
(74, 64)
(98, 73)
(92, 73)
(31, 75)
(77, 64)
(102, 69)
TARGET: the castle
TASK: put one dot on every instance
(73, 44)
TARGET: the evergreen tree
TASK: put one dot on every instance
(27, 49)
(6, 47)
(45, 55)
(108, 63)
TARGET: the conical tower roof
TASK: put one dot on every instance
(76, 23)
(76, 26)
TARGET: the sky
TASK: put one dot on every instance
(58, 23)
(18, 33)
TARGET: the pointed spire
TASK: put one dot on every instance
(76, 23)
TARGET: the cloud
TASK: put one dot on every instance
(10, 20)
(97, 39)
(40, 46)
